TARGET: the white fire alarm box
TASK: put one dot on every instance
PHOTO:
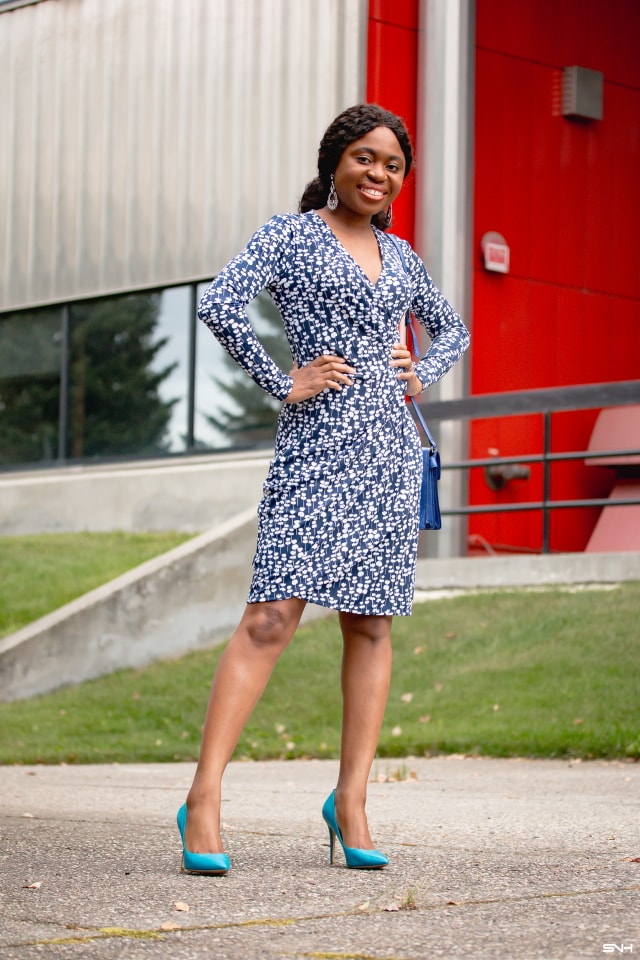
(495, 251)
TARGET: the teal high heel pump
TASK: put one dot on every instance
(356, 858)
(215, 864)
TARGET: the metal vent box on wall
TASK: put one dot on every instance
(582, 93)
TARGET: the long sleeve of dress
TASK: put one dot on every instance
(449, 336)
(223, 308)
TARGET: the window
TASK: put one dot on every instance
(111, 377)
(30, 358)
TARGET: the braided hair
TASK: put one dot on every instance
(352, 124)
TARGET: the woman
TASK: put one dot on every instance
(338, 521)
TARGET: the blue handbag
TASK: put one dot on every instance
(429, 505)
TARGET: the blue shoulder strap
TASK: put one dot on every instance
(415, 348)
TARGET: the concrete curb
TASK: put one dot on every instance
(466, 573)
(190, 494)
(183, 600)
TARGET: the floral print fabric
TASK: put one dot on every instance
(338, 520)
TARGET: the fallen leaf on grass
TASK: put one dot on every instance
(418, 650)
(180, 905)
(406, 697)
(425, 718)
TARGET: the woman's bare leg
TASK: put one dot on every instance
(240, 678)
(366, 675)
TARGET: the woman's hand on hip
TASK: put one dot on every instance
(327, 372)
(401, 358)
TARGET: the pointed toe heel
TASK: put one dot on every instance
(212, 864)
(356, 858)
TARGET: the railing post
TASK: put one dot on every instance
(546, 483)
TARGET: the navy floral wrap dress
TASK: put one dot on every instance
(338, 520)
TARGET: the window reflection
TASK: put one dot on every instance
(210, 359)
(118, 400)
(232, 410)
(125, 382)
(29, 385)
(173, 329)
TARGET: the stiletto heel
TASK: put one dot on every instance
(356, 858)
(215, 864)
(332, 838)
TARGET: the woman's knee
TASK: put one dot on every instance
(367, 628)
(271, 625)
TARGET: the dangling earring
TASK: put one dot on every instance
(332, 199)
(387, 219)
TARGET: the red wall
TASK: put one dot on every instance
(566, 196)
(392, 72)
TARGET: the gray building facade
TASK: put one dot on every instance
(142, 143)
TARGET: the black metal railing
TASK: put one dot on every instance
(545, 403)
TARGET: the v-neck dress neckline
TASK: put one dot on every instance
(372, 283)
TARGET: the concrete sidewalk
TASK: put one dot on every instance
(513, 859)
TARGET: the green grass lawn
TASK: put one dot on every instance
(43, 572)
(546, 673)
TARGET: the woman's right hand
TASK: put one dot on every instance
(327, 372)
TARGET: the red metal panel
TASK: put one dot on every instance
(392, 69)
(612, 197)
(590, 33)
(531, 179)
(612, 333)
(566, 196)
(404, 14)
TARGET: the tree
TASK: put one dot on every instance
(115, 406)
(114, 403)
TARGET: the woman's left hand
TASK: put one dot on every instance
(401, 357)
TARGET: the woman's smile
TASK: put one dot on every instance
(374, 192)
